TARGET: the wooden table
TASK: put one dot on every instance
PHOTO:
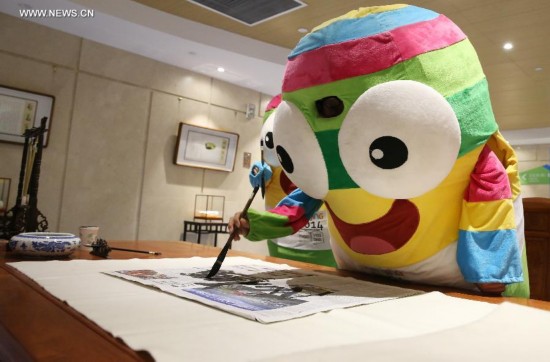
(36, 326)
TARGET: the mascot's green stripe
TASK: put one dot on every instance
(449, 71)
(264, 224)
(475, 116)
(267, 114)
(338, 176)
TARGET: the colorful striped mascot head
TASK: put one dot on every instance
(386, 116)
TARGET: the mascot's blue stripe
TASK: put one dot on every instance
(349, 29)
(489, 256)
(299, 199)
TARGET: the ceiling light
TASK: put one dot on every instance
(302, 30)
(221, 69)
(538, 69)
(508, 46)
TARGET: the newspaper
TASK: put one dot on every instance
(265, 292)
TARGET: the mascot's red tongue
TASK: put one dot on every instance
(370, 245)
(383, 235)
(286, 184)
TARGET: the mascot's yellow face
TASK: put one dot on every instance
(385, 135)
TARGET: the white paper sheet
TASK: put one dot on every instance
(511, 333)
(175, 329)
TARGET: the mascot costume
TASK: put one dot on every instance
(310, 244)
(386, 118)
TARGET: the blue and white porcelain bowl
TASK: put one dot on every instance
(44, 244)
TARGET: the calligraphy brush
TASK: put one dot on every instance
(137, 251)
(102, 249)
(217, 265)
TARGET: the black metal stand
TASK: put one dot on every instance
(200, 228)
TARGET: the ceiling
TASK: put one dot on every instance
(520, 90)
(254, 56)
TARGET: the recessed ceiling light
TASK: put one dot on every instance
(221, 69)
(508, 46)
(538, 69)
(302, 30)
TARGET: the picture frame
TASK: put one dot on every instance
(20, 110)
(205, 148)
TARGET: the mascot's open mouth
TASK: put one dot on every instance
(383, 235)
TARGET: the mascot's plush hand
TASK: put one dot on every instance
(257, 172)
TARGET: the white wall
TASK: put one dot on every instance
(109, 160)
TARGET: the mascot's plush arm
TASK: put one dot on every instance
(488, 250)
(290, 215)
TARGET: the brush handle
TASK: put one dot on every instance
(137, 251)
(219, 260)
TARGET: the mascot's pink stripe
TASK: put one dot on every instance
(295, 216)
(368, 55)
(488, 181)
(274, 103)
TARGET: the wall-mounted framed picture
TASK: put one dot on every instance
(205, 148)
(21, 110)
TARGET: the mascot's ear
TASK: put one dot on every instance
(270, 156)
(299, 152)
(399, 140)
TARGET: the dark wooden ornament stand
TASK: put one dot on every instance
(27, 218)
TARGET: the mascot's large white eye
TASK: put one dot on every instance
(399, 140)
(299, 152)
(270, 156)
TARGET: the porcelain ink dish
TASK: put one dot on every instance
(47, 244)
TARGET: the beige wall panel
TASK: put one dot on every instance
(37, 41)
(526, 153)
(543, 153)
(234, 97)
(105, 159)
(521, 121)
(42, 78)
(168, 190)
(127, 67)
(182, 82)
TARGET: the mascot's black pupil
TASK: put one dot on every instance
(388, 152)
(285, 159)
(269, 140)
(329, 107)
